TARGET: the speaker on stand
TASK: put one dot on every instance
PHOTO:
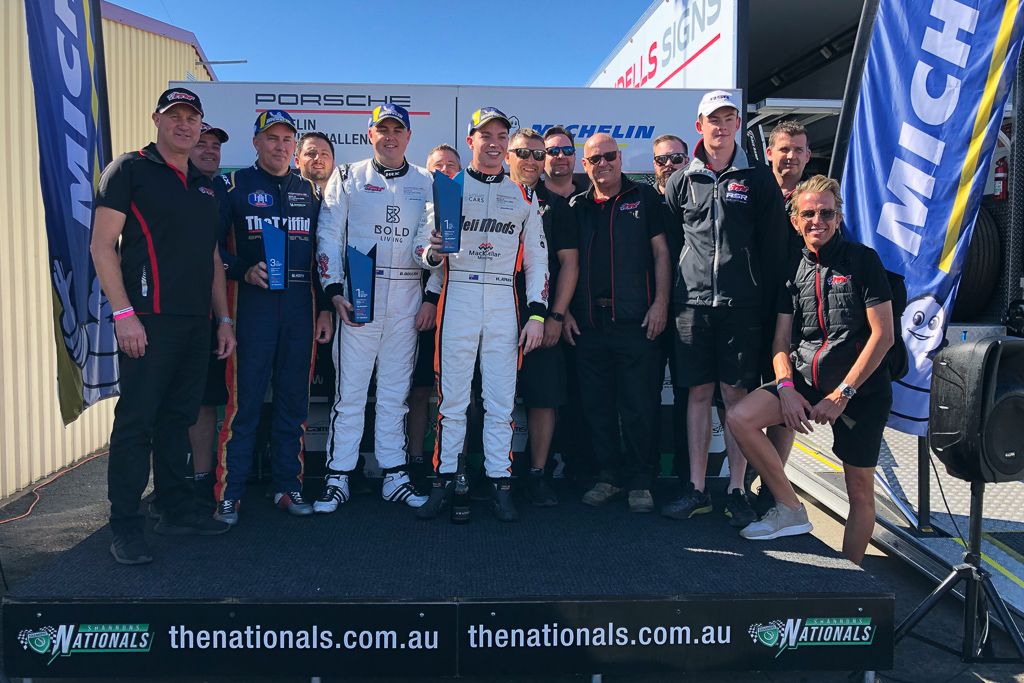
(975, 428)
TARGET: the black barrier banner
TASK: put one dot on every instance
(705, 633)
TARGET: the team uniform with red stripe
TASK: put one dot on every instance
(166, 250)
(502, 233)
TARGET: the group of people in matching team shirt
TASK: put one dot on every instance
(571, 296)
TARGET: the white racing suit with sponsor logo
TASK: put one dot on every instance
(367, 205)
(478, 311)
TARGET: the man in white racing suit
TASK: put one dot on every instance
(381, 202)
(478, 310)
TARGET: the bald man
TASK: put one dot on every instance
(620, 308)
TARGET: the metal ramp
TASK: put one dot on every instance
(926, 536)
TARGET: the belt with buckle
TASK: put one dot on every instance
(602, 302)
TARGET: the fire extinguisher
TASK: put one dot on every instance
(1001, 179)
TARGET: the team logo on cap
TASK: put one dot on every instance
(181, 96)
(272, 116)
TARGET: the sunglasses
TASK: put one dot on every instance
(566, 151)
(607, 156)
(825, 214)
(523, 153)
(664, 159)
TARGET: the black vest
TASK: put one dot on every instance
(626, 216)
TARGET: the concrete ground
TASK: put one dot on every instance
(74, 506)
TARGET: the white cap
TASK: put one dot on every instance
(716, 99)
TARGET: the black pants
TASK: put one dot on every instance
(619, 384)
(160, 396)
(677, 423)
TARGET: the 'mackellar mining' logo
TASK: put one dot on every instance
(70, 639)
(820, 631)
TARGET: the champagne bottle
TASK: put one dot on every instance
(460, 493)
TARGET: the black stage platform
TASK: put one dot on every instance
(370, 589)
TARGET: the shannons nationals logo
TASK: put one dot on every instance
(206, 190)
(180, 96)
(630, 206)
(736, 186)
(819, 631)
(70, 639)
(839, 279)
(324, 263)
(372, 188)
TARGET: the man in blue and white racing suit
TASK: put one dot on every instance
(382, 203)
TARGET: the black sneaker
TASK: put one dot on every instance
(504, 508)
(763, 502)
(539, 491)
(440, 498)
(738, 510)
(693, 502)
(131, 548)
(190, 524)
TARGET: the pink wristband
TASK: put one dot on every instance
(784, 383)
(124, 313)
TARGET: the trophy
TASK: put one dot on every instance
(275, 241)
(448, 211)
(361, 269)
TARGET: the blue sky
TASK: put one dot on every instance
(529, 42)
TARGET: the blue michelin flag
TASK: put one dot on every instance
(935, 82)
(65, 45)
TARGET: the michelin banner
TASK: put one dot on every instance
(935, 82)
(68, 76)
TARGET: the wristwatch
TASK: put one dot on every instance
(556, 316)
(847, 391)
(225, 320)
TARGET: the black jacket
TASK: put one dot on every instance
(170, 231)
(630, 220)
(734, 233)
(828, 296)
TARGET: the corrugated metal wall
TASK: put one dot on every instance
(33, 441)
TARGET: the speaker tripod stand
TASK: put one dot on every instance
(979, 595)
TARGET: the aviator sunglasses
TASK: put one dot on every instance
(826, 214)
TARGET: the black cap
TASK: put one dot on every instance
(173, 96)
(219, 133)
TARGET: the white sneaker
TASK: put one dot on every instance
(780, 520)
(398, 489)
(335, 493)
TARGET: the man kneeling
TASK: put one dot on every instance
(840, 297)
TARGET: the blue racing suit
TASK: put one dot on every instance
(274, 328)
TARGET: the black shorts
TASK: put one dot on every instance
(767, 339)
(718, 344)
(542, 378)
(857, 434)
(423, 371)
(215, 393)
